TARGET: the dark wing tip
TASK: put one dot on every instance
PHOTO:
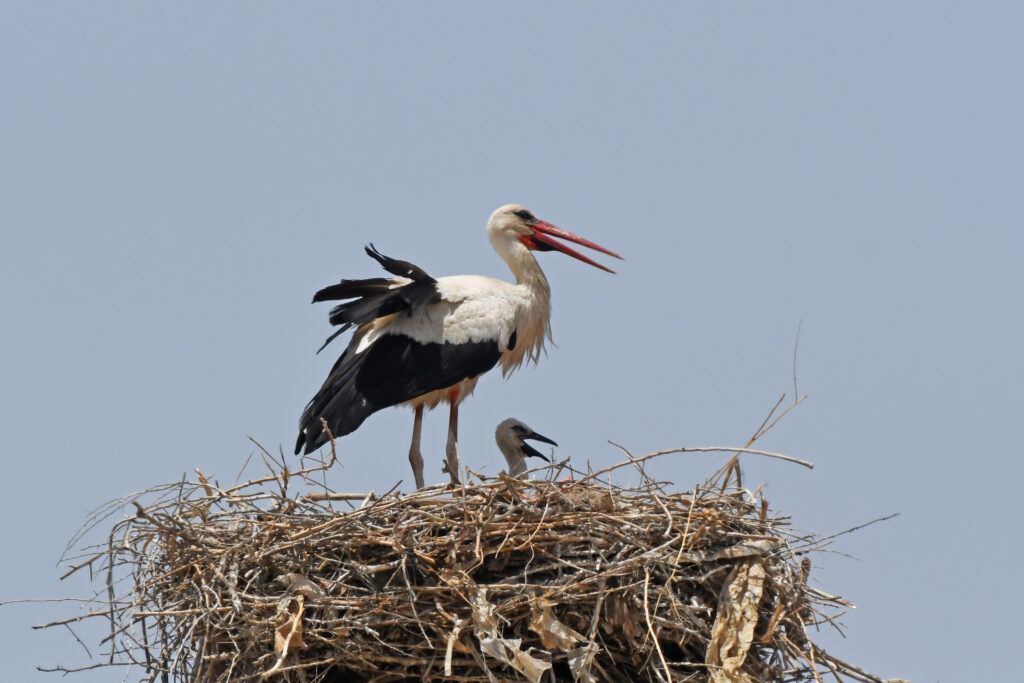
(399, 267)
(341, 329)
(330, 293)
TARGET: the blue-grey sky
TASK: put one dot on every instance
(177, 179)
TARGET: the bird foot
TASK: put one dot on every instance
(451, 466)
(455, 477)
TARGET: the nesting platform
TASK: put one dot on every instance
(562, 578)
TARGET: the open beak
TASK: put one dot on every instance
(531, 451)
(544, 233)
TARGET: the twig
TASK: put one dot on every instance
(696, 449)
(796, 345)
(650, 627)
(318, 496)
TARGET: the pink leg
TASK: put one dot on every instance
(415, 457)
(452, 449)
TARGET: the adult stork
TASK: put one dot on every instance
(421, 341)
(511, 436)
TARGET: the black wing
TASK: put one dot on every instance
(394, 369)
(378, 296)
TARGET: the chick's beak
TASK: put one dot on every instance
(533, 452)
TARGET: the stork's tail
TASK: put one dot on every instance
(339, 402)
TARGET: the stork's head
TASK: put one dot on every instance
(511, 436)
(512, 224)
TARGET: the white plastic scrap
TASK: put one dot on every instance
(300, 584)
(557, 636)
(580, 661)
(505, 650)
(733, 630)
(554, 634)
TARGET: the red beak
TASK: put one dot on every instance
(544, 232)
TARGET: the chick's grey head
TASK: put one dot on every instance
(511, 436)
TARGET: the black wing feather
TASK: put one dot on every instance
(350, 289)
(393, 370)
(337, 332)
(401, 268)
(377, 297)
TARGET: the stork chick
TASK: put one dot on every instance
(511, 436)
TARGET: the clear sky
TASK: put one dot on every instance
(177, 179)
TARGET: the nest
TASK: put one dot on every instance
(563, 578)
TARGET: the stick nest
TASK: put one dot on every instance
(567, 578)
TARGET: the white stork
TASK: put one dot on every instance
(420, 341)
(511, 437)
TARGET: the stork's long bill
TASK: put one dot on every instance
(542, 240)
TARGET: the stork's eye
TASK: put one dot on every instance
(524, 214)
